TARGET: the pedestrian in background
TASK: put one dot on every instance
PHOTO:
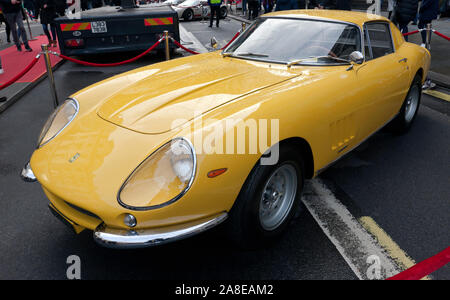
(335, 4)
(311, 4)
(214, 6)
(7, 28)
(30, 6)
(429, 11)
(61, 6)
(244, 7)
(286, 5)
(12, 10)
(253, 7)
(391, 5)
(405, 12)
(47, 13)
(268, 5)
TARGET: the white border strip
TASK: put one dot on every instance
(358, 248)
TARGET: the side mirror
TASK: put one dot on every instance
(214, 43)
(356, 57)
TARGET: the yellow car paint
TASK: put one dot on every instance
(124, 119)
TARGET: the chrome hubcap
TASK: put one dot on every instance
(412, 102)
(278, 196)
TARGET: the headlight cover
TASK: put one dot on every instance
(162, 178)
(58, 120)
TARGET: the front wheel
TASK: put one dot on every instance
(403, 121)
(223, 12)
(188, 15)
(268, 201)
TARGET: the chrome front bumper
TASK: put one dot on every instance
(129, 239)
(27, 174)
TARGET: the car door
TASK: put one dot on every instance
(383, 77)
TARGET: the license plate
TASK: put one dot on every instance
(99, 27)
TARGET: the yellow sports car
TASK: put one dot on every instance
(167, 151)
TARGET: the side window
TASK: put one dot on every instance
(378, 41)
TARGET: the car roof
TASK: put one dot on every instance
(358, 18)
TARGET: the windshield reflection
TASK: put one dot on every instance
(309, 42)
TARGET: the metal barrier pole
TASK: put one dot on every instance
(166, 40)
(51, 79)
(29, 29)
(428, 38)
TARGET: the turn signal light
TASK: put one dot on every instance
(215, 173)
(74, 43)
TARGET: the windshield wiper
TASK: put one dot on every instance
(251, 54)
(297, 61)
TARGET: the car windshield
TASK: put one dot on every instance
(309, 42)
(191, 2)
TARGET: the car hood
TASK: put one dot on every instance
(159, 98)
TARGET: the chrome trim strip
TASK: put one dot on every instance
(356, 146)
(132, 239)
(27, 174)
(191, 181)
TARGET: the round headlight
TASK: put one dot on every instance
(162, 178)
(58, 120)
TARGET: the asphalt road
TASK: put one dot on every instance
(401, 182)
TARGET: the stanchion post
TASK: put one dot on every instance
(166, 42)
(428, 38)
(29, 29)
(51, 79)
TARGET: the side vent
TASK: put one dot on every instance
(342, 132)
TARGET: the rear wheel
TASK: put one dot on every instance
(268, 201)
(188, 15)
(403, 121)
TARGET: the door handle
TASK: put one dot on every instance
(403, 60)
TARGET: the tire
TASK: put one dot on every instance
(188, 15)
(223, 12)
(248, 226)
(408, 112)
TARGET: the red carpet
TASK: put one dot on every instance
(14, 61)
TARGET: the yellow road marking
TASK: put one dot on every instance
(437, 94)
(394, 251)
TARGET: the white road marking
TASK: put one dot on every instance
(350, 238)
(187, 36)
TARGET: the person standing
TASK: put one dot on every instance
(405, 12)
(61, 6)
(12, 10)
(30, 6)
(7, 28)
(214, 6)
(47, 12)
(391, 4)
(268, 5)
(253, 9)
(429, 10)
(286, 5)
(336, 4)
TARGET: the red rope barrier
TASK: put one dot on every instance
(232, 40)
(21, 74)
(85, 63)
(409, 33)
(182, 47)
(425, 267)
(441, 35)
